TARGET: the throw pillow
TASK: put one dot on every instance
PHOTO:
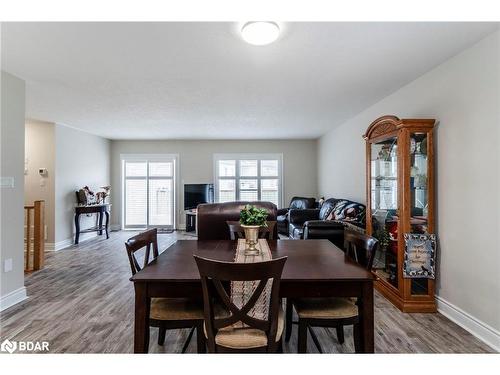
(338, 211)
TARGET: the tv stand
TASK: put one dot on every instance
(191, 221)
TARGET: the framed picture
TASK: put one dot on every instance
(419, 256)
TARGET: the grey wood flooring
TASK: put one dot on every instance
(83, 302)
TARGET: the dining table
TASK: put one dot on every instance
(314, 268)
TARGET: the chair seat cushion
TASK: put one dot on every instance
(236, 337)
(176, 309)
(325, 308)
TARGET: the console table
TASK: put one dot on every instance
(190, 221)
(100, 210)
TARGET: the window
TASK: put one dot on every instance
(248, 177)
(149, 191)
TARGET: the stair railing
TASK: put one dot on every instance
(34, 236)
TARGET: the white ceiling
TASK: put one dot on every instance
(202, 81)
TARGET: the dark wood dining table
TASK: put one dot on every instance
(314, 268)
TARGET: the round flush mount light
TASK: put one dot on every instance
(260, 33)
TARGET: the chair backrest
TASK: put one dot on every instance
(138, 242)
(212, 217)
(236, 230)
(360, 247)
(302, 203)
(214, 273)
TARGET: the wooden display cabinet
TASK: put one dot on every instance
(400, 199)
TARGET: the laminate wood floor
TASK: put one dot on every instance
(83, 302)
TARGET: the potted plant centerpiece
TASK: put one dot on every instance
(251, 219)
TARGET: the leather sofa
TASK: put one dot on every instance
(328, 222)
(212, 217)
(297, 203)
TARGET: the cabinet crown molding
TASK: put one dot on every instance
(390, 123)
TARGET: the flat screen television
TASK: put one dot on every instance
(195, 194)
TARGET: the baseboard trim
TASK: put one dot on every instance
(115, 227)
(69, 242)
(13, 298)
(51, 246)
(479, 329)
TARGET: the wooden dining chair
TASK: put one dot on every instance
(166, 313)
(230, 328)
(333, 312)
(236, 230)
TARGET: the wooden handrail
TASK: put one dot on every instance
(38, 209)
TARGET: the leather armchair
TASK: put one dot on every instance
(212, 217)
(298, 218)
(297, 203)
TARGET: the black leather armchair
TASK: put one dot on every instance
(299, 218)
(297, 203)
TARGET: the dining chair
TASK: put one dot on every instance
(236, 230)
(166, 313)
(333, 312)
(230, 328)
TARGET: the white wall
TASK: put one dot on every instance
(81, 159)
(12, 198)
(463, 95)
(40, 153)
(196, 164)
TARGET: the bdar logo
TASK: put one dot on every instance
(8, 346)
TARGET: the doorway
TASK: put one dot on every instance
(149, 191)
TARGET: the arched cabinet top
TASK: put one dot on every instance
(388, 124)
(382, 125)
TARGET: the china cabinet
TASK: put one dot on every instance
(400, 199)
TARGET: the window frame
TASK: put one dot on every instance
(149, 158)
(237, 177)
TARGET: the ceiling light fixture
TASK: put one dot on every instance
(260, 33)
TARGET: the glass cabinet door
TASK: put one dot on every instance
(384, 207)
(419, 199)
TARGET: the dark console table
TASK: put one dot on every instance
(101, 210)
(190, 221)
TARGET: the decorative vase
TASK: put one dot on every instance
(251, 237)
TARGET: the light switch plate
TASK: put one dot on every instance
(7, 265)
(6, 182)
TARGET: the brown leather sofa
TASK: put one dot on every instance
(212, 218)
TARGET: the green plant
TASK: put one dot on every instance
(251, 215)
(383, 237)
